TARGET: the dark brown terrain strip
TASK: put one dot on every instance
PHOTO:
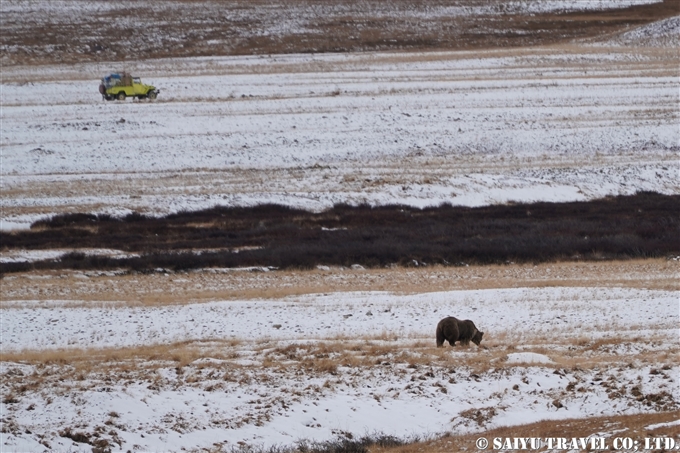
(645, 225)
(188, 28)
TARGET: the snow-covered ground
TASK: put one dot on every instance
(468, 128)
(327, 317)
(664, 33)
(66, 9)
(264, 378)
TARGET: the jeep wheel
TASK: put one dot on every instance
(151, 94)
(121, 96)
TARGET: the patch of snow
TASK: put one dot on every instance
(663, 33)
(547, 6)
(27, 256)
(528, 357)
(663, 425)
(325, 316)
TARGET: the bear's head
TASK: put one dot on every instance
(477, 337)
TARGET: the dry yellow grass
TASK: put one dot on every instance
(632, 426)
(325, 356)
(147, 357)
(71, 289)
(292, 366)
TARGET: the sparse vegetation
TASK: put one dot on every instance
(414, 370)
(186, 28)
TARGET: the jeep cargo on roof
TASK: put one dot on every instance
(121, 85)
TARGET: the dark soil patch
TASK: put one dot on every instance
(189, 28)
(640, 226)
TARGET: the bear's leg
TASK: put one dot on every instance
(440, 339)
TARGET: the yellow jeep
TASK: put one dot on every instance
(121, 85)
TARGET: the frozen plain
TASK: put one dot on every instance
(261, 379)
(463, 128)
(571, 122)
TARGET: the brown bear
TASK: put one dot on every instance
(451, 329)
